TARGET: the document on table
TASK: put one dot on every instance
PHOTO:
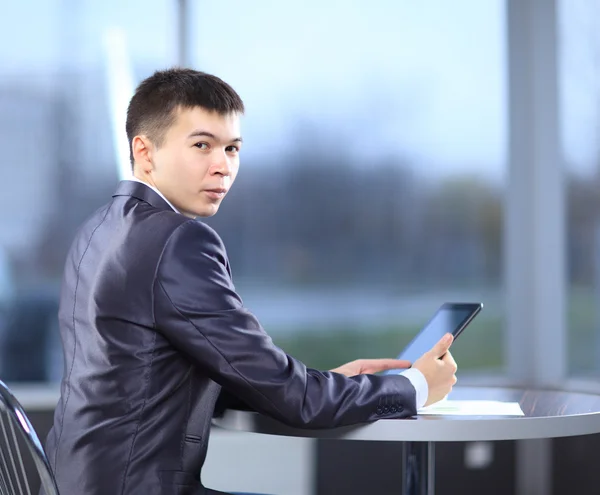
(473, 408)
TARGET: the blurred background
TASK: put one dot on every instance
(397, 155)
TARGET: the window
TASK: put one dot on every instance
(580, 99)
(59, 158)
(371, 180)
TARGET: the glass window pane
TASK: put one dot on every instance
(59, 161)
(580, 99)
(371, 185)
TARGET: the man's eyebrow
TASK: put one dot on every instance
(212, 136)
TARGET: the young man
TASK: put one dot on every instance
(154, 333)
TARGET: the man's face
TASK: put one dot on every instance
(197, 162)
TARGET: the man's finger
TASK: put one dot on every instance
(377, 365)
(443, 345)
(448, 359)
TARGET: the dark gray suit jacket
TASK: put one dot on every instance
(153, 332)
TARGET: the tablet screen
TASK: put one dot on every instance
(450, 318)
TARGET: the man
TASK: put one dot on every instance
(154, 333)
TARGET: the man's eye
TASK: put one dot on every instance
(202, 146)
(232, 149)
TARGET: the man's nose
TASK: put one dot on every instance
(221, 165)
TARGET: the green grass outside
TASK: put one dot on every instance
(328, 348)
(481, 347)
(583, 343)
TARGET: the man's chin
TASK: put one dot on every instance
(206, 212)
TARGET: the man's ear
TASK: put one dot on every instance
(142, 150)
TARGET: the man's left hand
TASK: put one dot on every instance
(370, 366)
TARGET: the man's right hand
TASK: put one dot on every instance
(438, 368)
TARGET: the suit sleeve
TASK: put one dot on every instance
(197, 309)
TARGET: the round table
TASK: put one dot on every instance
(548, 414)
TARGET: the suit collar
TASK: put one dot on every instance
(142, 192)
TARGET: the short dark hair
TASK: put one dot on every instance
(152, 109)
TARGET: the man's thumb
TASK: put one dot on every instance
(443, 345)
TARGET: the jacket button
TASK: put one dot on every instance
(386, 409)
(400, 409)
(394, 409)
(379, 411)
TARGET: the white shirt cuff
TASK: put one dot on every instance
(417, 379)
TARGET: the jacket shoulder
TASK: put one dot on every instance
(196, 233)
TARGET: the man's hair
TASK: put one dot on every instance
(153, 108)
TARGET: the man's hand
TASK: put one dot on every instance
(439, 368)
(370, 366)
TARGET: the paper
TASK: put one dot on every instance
(473, 408)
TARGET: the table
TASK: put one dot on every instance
(548, 414)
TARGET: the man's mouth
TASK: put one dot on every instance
(216, 193)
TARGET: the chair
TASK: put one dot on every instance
(14, 478)
(17, 450)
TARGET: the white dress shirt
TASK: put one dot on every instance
(416, 378)
(135, 179)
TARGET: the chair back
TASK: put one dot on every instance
(19, 445)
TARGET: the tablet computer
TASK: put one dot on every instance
(449, 318)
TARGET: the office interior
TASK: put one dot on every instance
(397, 155)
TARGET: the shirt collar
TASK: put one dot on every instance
(135, 179)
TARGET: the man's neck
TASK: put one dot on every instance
(154, 188)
